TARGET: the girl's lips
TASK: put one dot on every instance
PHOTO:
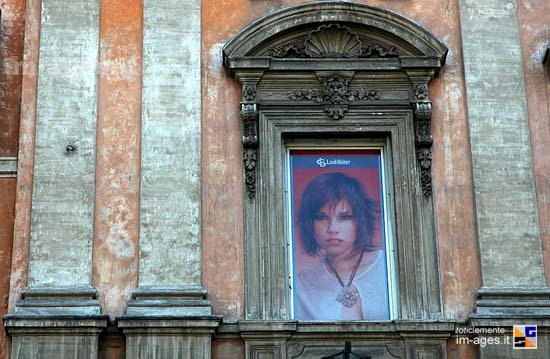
(334, 242)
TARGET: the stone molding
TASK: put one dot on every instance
(169, 301)
(513, 303)
(308, 340)
(8, 167)
(58, 301)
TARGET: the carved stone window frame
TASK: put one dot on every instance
(336, 70)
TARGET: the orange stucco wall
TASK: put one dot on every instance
(535, 37)
(116, 229)
(222, 163)
(11, 56)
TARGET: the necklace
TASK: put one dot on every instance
(348, 295)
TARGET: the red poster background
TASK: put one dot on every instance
(301, 177)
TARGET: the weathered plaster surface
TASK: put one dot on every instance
(222, 158)
(21, 237)
(170, 159)
(11, 56)
(501, 152)
(535, 37)
(7, 211)
(116, 232)
(63, 195)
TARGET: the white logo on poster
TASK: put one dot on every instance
(322, 162)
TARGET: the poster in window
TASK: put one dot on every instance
(339, 252)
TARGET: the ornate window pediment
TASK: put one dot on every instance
(327, 70)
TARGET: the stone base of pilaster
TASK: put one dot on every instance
(499, 309)
(168, 337)
(169, 322)
(56, 322)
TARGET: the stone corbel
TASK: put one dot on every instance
(424, 141)
(249, 116)
(423, 125)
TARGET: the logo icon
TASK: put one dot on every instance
(321, 162)
(525, 337)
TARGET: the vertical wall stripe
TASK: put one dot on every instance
(63, 186)
(25, 163)
(116, 232)
(170, 159)
(509, 239)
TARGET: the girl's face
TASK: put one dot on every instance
(334, 228)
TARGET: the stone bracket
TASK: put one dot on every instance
(249, 116)
(424, 141)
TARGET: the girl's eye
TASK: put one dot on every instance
(346, 216)
(320, 217)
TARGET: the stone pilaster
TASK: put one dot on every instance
(170, 159)
(58, 313)
(508, 232)
(514, 288)
(169, 312)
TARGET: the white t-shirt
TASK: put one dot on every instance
(317, 289)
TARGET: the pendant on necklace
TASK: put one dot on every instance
(348, 296)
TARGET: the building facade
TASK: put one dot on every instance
(154, 157)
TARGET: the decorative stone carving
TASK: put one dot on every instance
(375, 50)
(424, 140)
(332, 40)
(288, 50)
(420, 92)
(249, 92)
(425, 159)
(249, 156)
(249, 115)
(335, 95)
(423, 111)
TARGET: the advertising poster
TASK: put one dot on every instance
(339, 260)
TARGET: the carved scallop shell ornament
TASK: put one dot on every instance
(333, 40)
